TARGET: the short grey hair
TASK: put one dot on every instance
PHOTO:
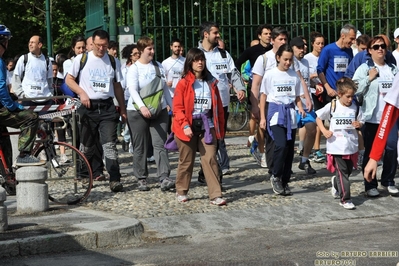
(347, 28)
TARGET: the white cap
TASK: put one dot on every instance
(358, 33)
(396, 33)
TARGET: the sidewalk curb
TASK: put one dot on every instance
(116, 232)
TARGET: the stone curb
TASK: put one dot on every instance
(92, 235)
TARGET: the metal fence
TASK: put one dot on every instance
(238, 19)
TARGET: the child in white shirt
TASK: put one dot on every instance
(342, 138)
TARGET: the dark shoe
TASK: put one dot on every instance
(167, 184)
(125, 145)
(287, 190)
(306, 166)
(277, 185)
(143, 185)
(115, 186)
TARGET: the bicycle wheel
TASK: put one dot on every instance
(238, 117)
(69, 181)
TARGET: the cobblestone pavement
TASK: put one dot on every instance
(247, 187)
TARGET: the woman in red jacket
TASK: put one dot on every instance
(198, 121)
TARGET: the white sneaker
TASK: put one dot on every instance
(348, 205)
(263, 161)
(63, 159)
(372, 192)
(392, 189)
(130, 148)
(181, 198)
(334, 192)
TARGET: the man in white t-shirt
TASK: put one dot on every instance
(173, 66)
(33, 78)
(221, 66)
(396, 52)
(99, 82)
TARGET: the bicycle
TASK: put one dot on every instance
(69, 182)
(238, 114)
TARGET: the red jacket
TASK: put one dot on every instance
(183, 107)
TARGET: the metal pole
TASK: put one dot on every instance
(136, 19)
(112, 20)
(48, 23)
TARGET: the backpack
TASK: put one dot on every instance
(235, 75)
(64, 87)
(26, 61)
(152, 93)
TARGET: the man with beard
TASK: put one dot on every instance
(221, 66)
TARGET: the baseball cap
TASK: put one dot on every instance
(358, 33)
(297, 41)
(396, 33)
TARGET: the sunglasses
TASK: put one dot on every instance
(377, 46)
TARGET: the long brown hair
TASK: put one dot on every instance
(194, 54)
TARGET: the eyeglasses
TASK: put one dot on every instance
(104, 46)
(136, 53)
(377, 46)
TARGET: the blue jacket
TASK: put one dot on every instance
(5, 98)
(361, 58)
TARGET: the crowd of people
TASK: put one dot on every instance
(185, 100)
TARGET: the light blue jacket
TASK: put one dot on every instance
(361, 77)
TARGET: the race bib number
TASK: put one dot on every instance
(340, 64)
(384, 86)
(343, 121)
(176, 73)
(284, 88)
(220, 67)
(101, 85)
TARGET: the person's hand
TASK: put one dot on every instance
(331, 92)
(319, 89)
(84, 99)
(328, 134)
(241, 95)
(188, 132)
(356, 124)
(370, 170)
(145, 112)
(123, 115)
(309, 106)
(262, 123)
(302, 112)
(169, 83)
(373, 73)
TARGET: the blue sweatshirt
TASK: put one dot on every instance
(5, 98)
(332, 56)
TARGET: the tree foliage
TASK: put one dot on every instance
(28, 17)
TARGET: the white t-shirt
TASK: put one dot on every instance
(37, 72)
(303, 67)
(219, 67)
(67, 65)
(312, 60)
(173, 70)
(124, 69)
(9, 77)
(384, 85)
(392, 96)
(281, 87)
(345, 138)
(139, 75)
(97, 76)
(271, 62)
(396, 55)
